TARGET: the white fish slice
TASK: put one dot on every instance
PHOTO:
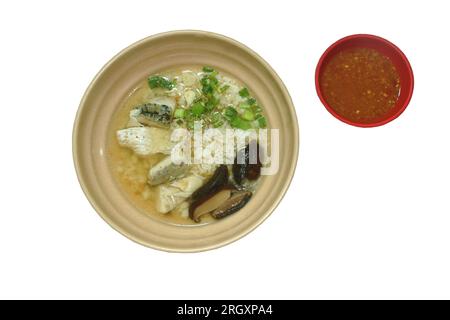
(164, 171)
(156, 113)
(133, 122)
(145, 140)
(182, 210)
(173, 193)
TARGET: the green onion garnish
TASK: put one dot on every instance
(160, 82)
(224, 88)
(230, 113)
(244, 106)
(212, 103)
(244, 93)
(198, 109)
(248, 115)
(217, 124)
(262, 122)
(207, 69)
(240, 123)
(179, 113)
(251, 101)
(257, 109)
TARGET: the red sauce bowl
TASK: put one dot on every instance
(386, 48)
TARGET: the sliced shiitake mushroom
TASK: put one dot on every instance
(218, 182)
(240, 169)
(236, 202)
(217, 197)
(210, 204)
(247, 165)
(253, 171)
(214, 184)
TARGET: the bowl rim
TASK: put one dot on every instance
(82, 106)
(385, 42)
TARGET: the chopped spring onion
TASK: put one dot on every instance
(209, 84)
(207, 69)
(248, 115)
(257, 109)
(217, 124)
(240, 123)
(198, 109)
(230, 113)
(262, 122)
(179, 113)
(244, 106)
(160, 82)
(212, 103)
(216, 118)
(244, 93)
(251, 101)
(207, 88)
(224, 88)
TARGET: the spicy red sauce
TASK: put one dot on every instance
(360, 84)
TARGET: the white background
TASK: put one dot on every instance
(367, 214)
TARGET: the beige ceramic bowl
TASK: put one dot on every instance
(109, 88)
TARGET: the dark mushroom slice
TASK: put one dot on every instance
(240, 169)
(253, 171)
(203, 208)
(218, 182)
(247, 165)
(235, 203)
(214, 184)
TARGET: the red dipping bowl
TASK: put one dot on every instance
(386, 48)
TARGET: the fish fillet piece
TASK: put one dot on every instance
(133, 122)
(145, 140)
(164, 171)
(173, 193)
(155, 113)
(182, 210)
